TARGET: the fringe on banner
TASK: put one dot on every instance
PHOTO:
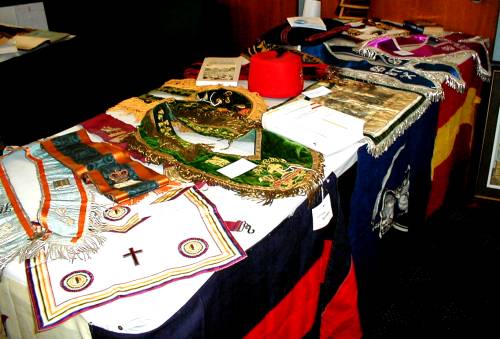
(435, 94)
(378, 149)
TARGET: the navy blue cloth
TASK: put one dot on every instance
(410, 155)
(236, 299)
(405, 76)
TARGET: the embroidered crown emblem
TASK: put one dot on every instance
(119, 175)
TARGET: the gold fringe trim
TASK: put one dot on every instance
(265, 195)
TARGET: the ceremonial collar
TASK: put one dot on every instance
(283, 168)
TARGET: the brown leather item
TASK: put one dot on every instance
(326, 35)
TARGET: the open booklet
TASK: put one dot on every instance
(25, 39)
(30, 40)
(7, 46)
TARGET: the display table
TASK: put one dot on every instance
(295, 280)
(287, 262)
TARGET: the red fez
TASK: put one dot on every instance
(276, 76)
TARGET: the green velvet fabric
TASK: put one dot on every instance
(277, 146)
(283, 165)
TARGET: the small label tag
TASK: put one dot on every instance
(127, 183)
(403, 52)
(237, 168)
(322, 214)
(317, 92)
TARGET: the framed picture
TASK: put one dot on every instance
(488, 176)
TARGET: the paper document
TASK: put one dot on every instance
(237, 168)
(307, 22)
(318, 127)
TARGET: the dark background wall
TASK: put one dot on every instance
(477, 18)
(145, 40)
(120, 50)
(124, 49)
